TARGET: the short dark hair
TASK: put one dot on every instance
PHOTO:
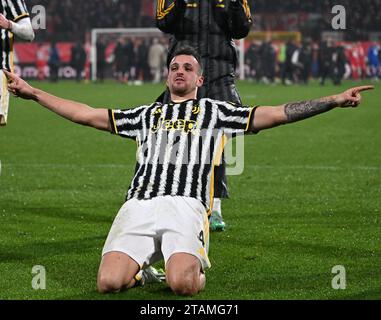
(188, 51)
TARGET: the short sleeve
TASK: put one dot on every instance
(126, 123)
(234, 119)
(15, 10)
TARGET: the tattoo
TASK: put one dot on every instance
(296, 111)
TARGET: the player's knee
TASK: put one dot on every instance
(184, 287)
(183, 283)
(183, 274)
(108, 284)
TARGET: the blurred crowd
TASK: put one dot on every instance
(142, 59)
(313, 6)
(293, 63)
(137, 60)
(129, 60)
(315, 16)
(66, 18)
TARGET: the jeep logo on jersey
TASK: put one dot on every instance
(179, 124)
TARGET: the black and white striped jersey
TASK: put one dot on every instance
(178, 145)
(13, 10)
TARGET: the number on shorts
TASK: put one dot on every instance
(201, 238)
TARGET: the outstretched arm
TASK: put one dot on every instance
(269, 117)
(71, 110)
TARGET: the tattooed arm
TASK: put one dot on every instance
(269, 117)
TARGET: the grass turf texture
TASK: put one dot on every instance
(309, 199)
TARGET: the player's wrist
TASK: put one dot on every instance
(10, 25)
(336, 101)
(35, 94)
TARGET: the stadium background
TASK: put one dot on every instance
(309, 198)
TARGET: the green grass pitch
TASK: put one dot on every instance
(309, 199)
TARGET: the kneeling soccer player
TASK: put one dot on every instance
(165, 214)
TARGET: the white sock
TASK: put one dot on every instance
(217, 205)
(139, 275)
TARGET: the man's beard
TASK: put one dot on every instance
(181, 90)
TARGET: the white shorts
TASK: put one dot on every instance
(150, 230)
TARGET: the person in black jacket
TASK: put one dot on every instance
(119, 61)
(101, 59)
(54, 62)
(78, 59)
(325, 61)
(209, 26)
(305, 60)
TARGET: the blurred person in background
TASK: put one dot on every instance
(78, 59)
(281, 58)
(288, 71)
(209, 26)
(119, 61)
(142, 67)
(14, 20)
(101, 59)
(253, 61)
(338, 65)
(268, 60)
(129, 60)
(374, 61)
(325, 61)
(362, 60)
(305, 59)
(357, 61)
(156, 58)
(54, 62)
(41, 61)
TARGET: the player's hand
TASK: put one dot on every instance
(4, 22)
(18, 86)
(351, 97)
